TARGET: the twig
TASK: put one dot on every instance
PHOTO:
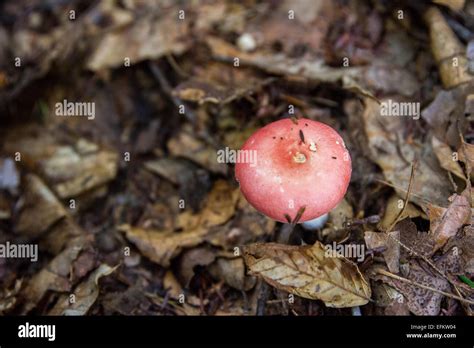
(447, 294)
(410, 184)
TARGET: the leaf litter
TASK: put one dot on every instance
(132, 210)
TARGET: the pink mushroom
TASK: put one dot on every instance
(302, 170)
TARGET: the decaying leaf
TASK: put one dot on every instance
(85, 294)
(56, 276)
(389, 299)
(187, 146)
(148, 38)
(219, 83)
(447, 224)
(306, 271)
(446, 158)
(445, 47)
(388, 241)
(420, 301)
(232, 271)
(75, 170)
(41, 209)
(162, 246)
(8, 297)
(336, 221)
(395, 156)
(394, 207)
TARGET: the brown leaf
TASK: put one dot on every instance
(85, 293)
(161, 246)
(447, 225)
(232, 271)
(446, 46)
(147, 38)
(394, 207)
(420, 301)
(395, 155)
(219, 83)
(200, 256)
(41, 209)
(75, 170)
(445, 157)
(391, 253)
(184, 144)
(55, 276)
(307, 272)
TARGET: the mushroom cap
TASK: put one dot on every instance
(299, 164)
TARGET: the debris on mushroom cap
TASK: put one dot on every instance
(302, 166)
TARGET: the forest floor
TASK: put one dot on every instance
(132, 214)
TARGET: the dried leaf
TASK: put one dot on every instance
(307, 272)
(75, 170)
(421, 301)
(56, 276)
(451, 220)
(388, 241)
(85, 293)
(219, 83)
(41, 209)
(146, 38)
(395, 156)
(186, 145)
(445, 157)
(445, 47)
(394, 207)
(162, 246)
(455, 5)
(232, 271)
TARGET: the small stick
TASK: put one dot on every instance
(447, 294)
(410, 183)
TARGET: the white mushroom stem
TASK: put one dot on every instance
(315, 224)
(356, 311)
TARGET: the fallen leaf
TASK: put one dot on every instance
(420, 301)
(75, 170)
(85, 294)
(455, 5)
(54, 277)
(394, 207)
(446, 158)
(200, 256)
(451, 220)
(445, 47)
(388, 241)
(184, 144)
(40, 210)
(337, 221)
(307, 272)
(395, 156)
(161, 246)
(219, 83)
(148, 37)
(232, 272)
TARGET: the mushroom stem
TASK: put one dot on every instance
(315, 224)
(356, 311)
